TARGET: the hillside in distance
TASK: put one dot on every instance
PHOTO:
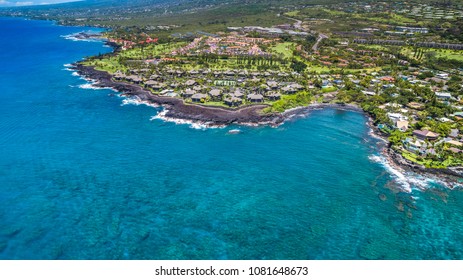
(183, 15)
(210, 15)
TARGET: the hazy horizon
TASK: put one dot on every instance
(16, 3)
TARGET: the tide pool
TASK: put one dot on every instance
(83, 176)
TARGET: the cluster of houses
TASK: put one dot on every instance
(128, 44)
(445, 10)
(226, 45)
(422, 142)
(200, 86)
(343, 56)
(432, 45)
(431, 12)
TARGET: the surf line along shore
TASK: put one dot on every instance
(177, 109)
(451, 177)
(252, 115)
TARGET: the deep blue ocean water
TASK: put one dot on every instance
(82, 177)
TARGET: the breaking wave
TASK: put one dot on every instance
(406, 179)
(90, 86)
(193, 124)
(79, 37)
(136, 101)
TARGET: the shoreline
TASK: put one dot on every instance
(176, 109)
(449, 176)
(216, 116)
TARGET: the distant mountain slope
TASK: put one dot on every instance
(212, 15)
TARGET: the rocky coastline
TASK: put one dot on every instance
(449, 176)
(177, 109)
(252, 115)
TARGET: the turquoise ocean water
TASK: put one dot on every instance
(83, 177)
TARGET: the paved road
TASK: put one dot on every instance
(319, 39)
(298, 25)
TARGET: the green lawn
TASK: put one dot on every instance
(374, 47)
(292, 14)
(449, 54)
(442, 53)
(109, 64)
(215, 104)
(319, 69)
(285, 49)
(151, 50)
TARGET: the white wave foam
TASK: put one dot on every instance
(374, 135)
(195, 125)
(93, 86)
(75, 74)
(136, 101)
(409, 180)
(269, 123)
(90, 86)
(87, 79)
(68, 67)
(399, 175)
(74, 37)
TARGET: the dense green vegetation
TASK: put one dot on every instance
(287, 102)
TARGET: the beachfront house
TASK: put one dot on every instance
(168, 92)
(118, 76)
(273, 96)
(215, 94)
(188, 93)
(255, 98)
(158, 86)
(134, 78)
(233, 101)
(413, 145)
(199, 97)
(150, 83)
